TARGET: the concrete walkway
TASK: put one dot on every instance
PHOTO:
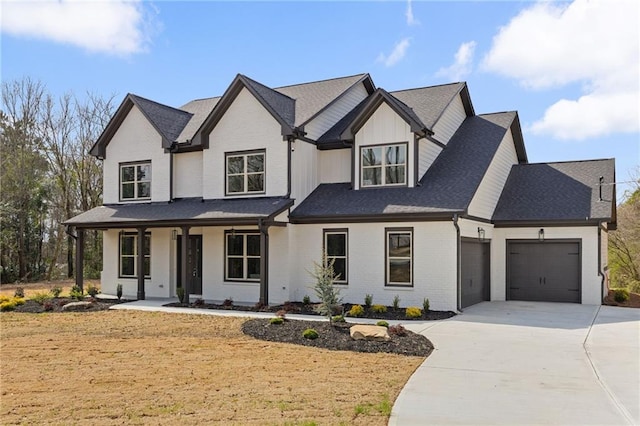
(528, 364)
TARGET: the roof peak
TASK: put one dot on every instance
(428, 87)
(362, 75)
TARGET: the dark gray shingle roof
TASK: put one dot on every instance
(567, 191)
(446, 188)
(281, 104)
(192, 211)
(429, 102)
(200, 108)
(168, 120)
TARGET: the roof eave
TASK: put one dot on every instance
(368, 218)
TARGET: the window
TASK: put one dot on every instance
(383, 165)
(399, 253)
(242, 256)
(245, 173)
(129, 255)
(336, 249)
(135, 181)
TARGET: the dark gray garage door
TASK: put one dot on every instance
(475, 272)
(546, 271)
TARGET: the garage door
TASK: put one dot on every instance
(475, 272)
(546, 271)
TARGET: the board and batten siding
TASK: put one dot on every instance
(159, 285)
(187, 174)
(335, 165)
(304, 170)
(451, 119)
(434, 263)
(591, 281)
(488, 193)
(135, 140)
(382, 128)
(245, 126)
(335, 112)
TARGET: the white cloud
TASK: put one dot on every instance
(462, 64)
(593, 43)
(411, 20)
(396, 55)
(115, 27)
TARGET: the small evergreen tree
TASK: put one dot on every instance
(329, 294)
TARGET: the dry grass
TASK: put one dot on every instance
(115, 367)
(32, 288)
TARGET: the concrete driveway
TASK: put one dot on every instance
(527, 363)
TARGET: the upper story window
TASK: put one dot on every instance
(135, 181)
(245, 172)
(383, 165)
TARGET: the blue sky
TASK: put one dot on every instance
(571, 69)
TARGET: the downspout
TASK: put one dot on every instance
(264, 261)
(458, 263)
(600, 270)
(289, 147)
(172, 150)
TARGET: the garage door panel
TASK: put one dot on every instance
(544, 271)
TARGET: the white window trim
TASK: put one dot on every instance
(327, 232)
(383, 165)
(245, 173)
(389, 258)
(135, 181)
(134, 255)
(244, 257)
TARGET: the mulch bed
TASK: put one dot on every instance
(335, 337)
(33, 307)
(633, 302)
(301, 308)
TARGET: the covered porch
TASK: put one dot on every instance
(134, 224)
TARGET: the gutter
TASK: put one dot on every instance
(458, 264)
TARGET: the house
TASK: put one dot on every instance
(410, 193)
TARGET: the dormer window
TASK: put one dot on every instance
(383, 165)
(135, 181)
(245, 173)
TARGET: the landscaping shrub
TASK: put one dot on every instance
(397, 330)
(19, 292)
(425, 305)
(198, 303)
(310, 333)
(75, 293)
(306, 300)
(382, 324)
(329, 294)
(276, 321)
(41, 297)
(379, 309)
(92, 290)
(338, 318)
(368, 300)
(179, 292)
(119, 293)
(356, 311)
(18, 301)
(620, 295)
(227, 302)
(413, 312)
(48, 306)
(4, 298)
(8, 305)
(56, 291)
(396, 302)
(282, 313)
(259, 306)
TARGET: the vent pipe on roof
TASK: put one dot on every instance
(600, 185)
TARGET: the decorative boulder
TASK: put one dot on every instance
(76, 306)
(369, 332)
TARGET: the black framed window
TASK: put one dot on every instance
(245, 172)
(135, 181)
(383, 165)
(399, 257)
(336, 246)
(129, 255)
(242, 256)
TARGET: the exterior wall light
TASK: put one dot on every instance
(481, 234)
(541, 234)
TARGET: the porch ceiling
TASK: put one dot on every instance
(189, 212)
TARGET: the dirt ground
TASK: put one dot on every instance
(115, 367)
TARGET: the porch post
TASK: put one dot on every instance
(264, 263)
(185, 274)
(80, 259)
(140, 263)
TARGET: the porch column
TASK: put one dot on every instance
(264, 263)
(140, 263)
(185, 274)
(80, 258)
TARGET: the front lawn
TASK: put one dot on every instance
(115, 367)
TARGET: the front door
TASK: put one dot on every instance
(194, 263)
